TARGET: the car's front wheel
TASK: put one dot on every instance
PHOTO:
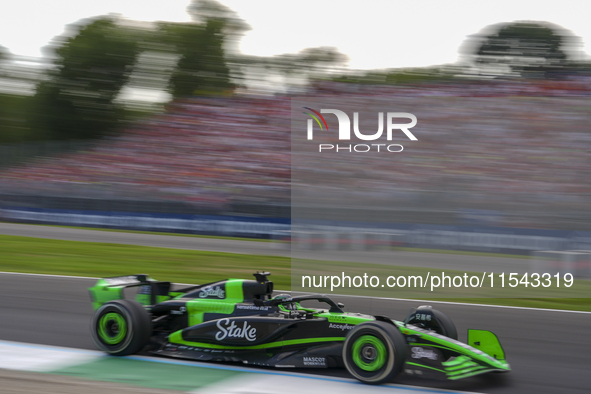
(374, 352)
(121, 327)
(434, 320)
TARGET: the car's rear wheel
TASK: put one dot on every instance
(374, 352)
(121, 327)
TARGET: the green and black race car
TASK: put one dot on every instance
(238, 320)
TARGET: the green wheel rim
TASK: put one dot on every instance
(112, 328)
(369, 353)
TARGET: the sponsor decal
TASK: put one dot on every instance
(147, 290)
(231, 330)
(210, 291)
(423, 316)
(419, 352)
(253, 307)
(341, 327)
(337, 318)
(453, 341)
(318, 361)
(413, 371)
(181, 310)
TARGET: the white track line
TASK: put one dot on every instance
(335, 294)
(42, 358)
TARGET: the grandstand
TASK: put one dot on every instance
(521, 149)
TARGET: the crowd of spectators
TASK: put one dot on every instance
(502, 145)
(202, 151)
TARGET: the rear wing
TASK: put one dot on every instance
(151, 291)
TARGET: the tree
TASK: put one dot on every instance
(202, 11)
(203, 66)
(522, 48)
(77, 100)
(210, 62)
(4, 54)
(306, 65)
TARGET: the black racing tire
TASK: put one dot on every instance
(440, 323)
(121, 327)
(448, 328)
(374, 352)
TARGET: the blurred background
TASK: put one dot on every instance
(183, 124)
(186, 116)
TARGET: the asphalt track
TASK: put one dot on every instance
(549, 351)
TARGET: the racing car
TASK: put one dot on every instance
(238, 320)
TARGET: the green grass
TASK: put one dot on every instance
(35, 255)
(46, 256)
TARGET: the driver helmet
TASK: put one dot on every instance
(285, 301)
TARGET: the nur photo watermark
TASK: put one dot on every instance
(344, 130)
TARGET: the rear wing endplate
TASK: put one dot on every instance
(108, 289)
